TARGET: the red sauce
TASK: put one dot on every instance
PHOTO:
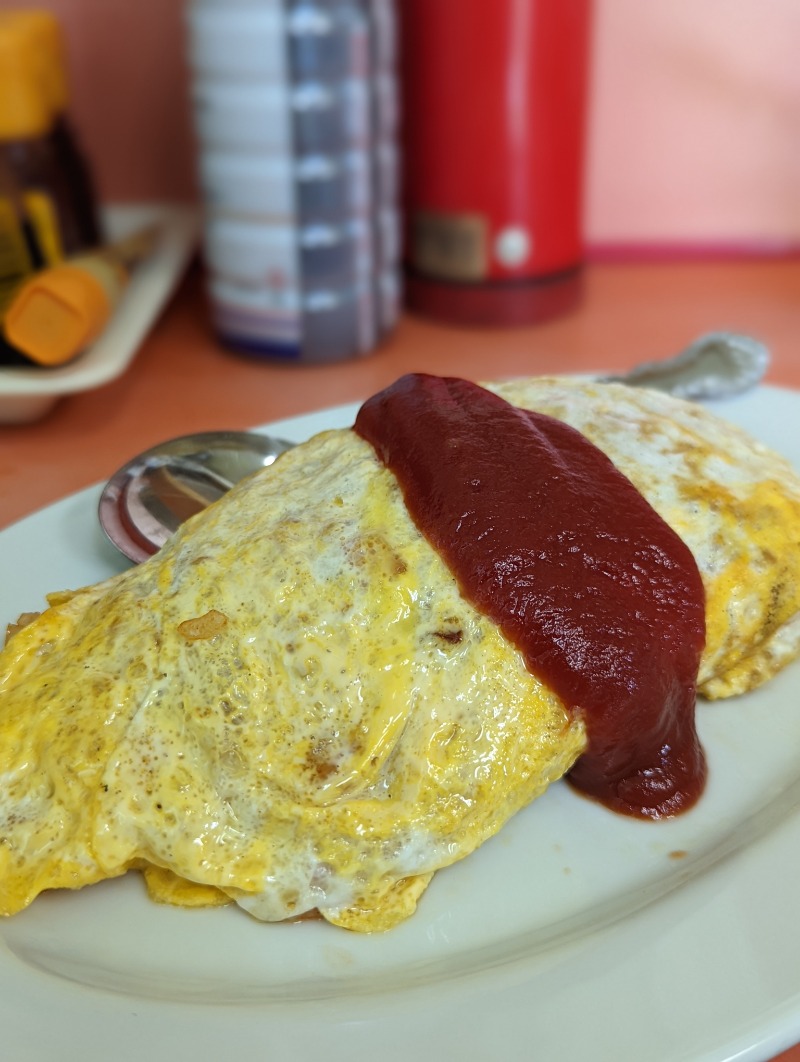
(546, 537)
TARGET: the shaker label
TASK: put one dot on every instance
(450, 246)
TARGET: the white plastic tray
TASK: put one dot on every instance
(29, 392)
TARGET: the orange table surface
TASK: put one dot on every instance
(181, 380)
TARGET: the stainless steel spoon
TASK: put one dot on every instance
(145, 502)
(716, 365)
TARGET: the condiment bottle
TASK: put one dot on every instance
(48, 43)
(494, 105)
(20, 254)
(35, 136)
(57, 312)
(299, 264)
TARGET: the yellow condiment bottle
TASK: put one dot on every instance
(19, 254)
(59, 311)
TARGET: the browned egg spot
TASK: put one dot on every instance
(453, 637)
(22, 621)
(203, 627)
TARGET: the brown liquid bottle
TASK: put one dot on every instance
(39, 159)
(30, 236)
(48, 43)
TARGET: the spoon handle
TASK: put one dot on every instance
(714, 366)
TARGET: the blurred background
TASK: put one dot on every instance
(693, 124)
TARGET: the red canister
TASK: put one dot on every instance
(494, 114)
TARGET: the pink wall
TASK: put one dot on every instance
(695, 114)
(695, 131)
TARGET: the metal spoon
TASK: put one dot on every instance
(145, 502)
(716, 365)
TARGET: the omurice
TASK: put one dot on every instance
(305, 702)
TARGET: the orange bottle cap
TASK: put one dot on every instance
(57, 313)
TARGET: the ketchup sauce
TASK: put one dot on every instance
(546, 537)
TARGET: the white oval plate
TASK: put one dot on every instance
(573, 933)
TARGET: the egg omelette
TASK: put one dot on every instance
(292, 707)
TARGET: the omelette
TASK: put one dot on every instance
(294, 707)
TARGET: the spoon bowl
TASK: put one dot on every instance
(145, 502)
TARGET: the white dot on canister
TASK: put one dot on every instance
(512, 246)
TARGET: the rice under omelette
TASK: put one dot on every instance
(292, 707)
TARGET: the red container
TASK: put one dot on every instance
(494, 114)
